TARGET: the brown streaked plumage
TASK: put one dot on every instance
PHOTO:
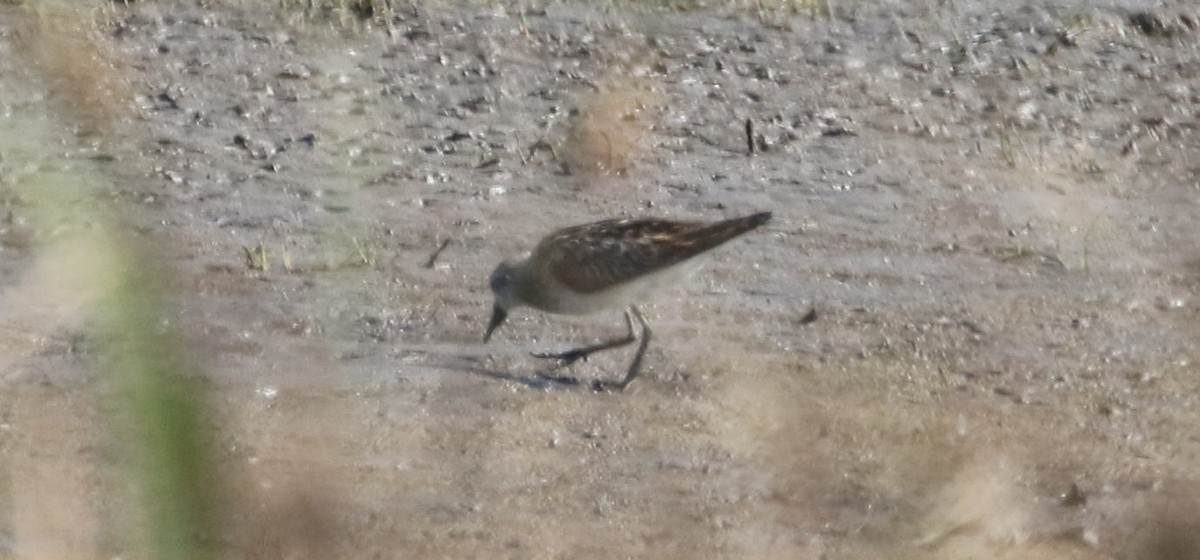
(610, 264)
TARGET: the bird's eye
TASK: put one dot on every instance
(498, 281)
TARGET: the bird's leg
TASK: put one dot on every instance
(635, 365)
(571, 356)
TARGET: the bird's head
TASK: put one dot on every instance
(503, 283)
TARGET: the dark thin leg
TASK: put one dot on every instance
(636, 364)
(571, 356)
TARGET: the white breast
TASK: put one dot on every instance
(621, 296)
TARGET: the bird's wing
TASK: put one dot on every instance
(594, 257)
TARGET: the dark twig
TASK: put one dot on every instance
(434, 256)
(750, 137)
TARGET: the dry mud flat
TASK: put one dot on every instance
(990, 207)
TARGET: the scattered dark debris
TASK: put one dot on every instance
(364, 9)
(293, 71)
(1130, 147)
(971, 327)
(201, 119)
(375, 328)
(256, 258)
(476, 104)
(837, 132)
(168, 101)
(947, 247)
(1006, 392)
(534, 148)
(436, 253)
(1022, 254)
(257, 150)
(416, 33)
(912, 62)
(942, 91)
(1073, 497)
(749, 137)
(172, 176)
(1155, 23)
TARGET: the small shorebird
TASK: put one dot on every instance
(611, 264)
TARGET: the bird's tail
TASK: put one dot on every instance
(708, 236)
(754, 220)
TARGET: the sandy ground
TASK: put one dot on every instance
(990, 208)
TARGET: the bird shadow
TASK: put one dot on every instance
(543, 379)
(539, 380)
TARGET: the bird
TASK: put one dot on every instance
(610, 264)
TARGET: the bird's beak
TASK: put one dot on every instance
(499, 314)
